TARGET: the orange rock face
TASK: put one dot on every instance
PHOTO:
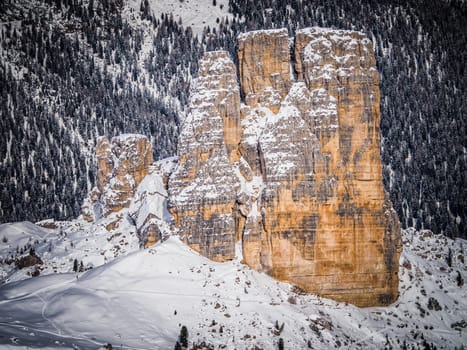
(264, 74)
(121, 166)
(356, 241)
(203, 186)
(296, 175)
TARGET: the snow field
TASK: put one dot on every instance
(141, 300)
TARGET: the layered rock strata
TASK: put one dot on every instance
(295, 172)
(203, 187)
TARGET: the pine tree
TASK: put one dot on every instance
(91, 8)
(184, 337)
(459, 279)
(449, 258)
(281, 344)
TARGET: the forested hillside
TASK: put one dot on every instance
(71, 70)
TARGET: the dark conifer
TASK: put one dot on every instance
(184, 337)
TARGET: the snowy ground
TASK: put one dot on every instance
(194, 13)
(141, 299)
(59, 247)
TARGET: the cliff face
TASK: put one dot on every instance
(203, 186)
(325, 224)
(264, 74)
(295, 172)
(122, 164)
(357, 237)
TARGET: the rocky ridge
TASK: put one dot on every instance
(300, 182)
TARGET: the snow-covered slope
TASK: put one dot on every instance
(141, 300)
(194, 13)
(59, 246)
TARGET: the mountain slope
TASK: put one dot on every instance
(195, 14)
(141, 300)
(70, 72)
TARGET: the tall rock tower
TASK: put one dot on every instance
(203, 187)
(294, 172)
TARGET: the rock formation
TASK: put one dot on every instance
(148, 208)
(295, 172)
(264, 74)
(203, 186)
(121, 166)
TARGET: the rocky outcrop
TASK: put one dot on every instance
(148, 209)
(354, 259)
(28, 260)
(295, 172)
(264, 74)
(203, 187)
(121, 166)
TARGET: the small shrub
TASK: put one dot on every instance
(36, 272)
(459, 326)
(278, 329)
(298, 290)
(433, 304)
(421, 309)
